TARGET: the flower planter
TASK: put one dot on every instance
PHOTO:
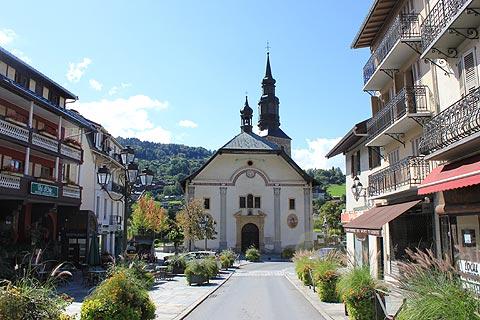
(198, 279)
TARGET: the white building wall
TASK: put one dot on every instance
(224, 170)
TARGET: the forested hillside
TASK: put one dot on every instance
(170, 162)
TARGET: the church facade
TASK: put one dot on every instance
(257, 195)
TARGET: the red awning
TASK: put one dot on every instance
(455, 175)
(372, 221)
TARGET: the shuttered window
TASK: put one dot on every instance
(374, 158)
(470, 71)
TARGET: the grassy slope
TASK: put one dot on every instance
(336, 190)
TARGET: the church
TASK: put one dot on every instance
(257, 195)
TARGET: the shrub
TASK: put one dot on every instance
(30, 299)
(357, 291)
(197, 271)
(288, 253)
(434, 290)
(326, 277)
(252, 254)
(136, 270)
(304, 265)
(212, 266)
(178, 264)
(118, 297)
(227, 258)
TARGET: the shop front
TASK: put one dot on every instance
(457, 204)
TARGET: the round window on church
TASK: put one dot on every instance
(250, 162)
(292, 220)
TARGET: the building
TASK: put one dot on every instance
(449, 34)
(101, 149)
(254, 191)
(386, 164)
(40, 155)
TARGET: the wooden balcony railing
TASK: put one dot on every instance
(71, 152)
(14, 131)
(9, 181)
(44, 142)
(406, 173)
(458, 121)
(408, 100)
(405, 26)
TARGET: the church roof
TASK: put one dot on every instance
(249, 141)
(276, 132)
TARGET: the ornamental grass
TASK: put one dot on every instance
(433, 289)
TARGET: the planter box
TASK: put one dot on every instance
(198, 279)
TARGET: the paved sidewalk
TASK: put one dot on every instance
(330, 311)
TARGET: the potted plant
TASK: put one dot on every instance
(252, 254)
(197, 272)
(357, 291)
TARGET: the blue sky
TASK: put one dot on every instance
(177, 71)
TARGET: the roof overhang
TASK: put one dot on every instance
(351, 138)
(373, 23)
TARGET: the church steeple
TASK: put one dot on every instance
(246, 117)
(269, 103)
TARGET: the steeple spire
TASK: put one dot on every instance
(246, 117)
(269, 103)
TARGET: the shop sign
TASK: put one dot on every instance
(372, 232)
(470, 268)
(46, 190)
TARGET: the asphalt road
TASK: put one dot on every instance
(256, 291)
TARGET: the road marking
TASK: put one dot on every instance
(259, 274)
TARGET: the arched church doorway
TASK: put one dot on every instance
(250, 236)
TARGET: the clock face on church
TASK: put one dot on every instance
(292, 220)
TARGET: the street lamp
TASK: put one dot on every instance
(357, 188)
(131, 174)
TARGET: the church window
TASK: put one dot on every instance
(206, 203)
(257, 202)
(242, 202)
(250, 201)
(291, 204)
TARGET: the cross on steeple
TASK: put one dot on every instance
(268, 47)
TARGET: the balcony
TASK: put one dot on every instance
(454, 132)
(398, 177)
(71, 152)
(398, 116)
(447, 25)
(44, 142)
(14, 131)
(10, 181)
(115, 220)
(398, 44)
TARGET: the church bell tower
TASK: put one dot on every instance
(268, 107)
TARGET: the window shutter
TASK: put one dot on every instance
(470, 69)
(352, 165)
(358, 163)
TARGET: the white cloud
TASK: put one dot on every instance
(22, 55)
(7, 36)
(76, 70)
(314, 155)
(130, 117)
(114, 90)
(187, 124)
(95, 85)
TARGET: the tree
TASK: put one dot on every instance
(148, 215)
(330, 215)
(174, 234)
(190, 220)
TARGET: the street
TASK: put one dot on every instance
(256, 291)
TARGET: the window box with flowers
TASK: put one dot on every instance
(48, 132)
(17, 119)
(12, 171)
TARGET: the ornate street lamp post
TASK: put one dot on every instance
(131, 174)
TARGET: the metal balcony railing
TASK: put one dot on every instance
(438, 18)
(408, 100)
(404, 27)
(408, 172)
(458, 121)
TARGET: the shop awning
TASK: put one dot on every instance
(455, 175)
(372, 221)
